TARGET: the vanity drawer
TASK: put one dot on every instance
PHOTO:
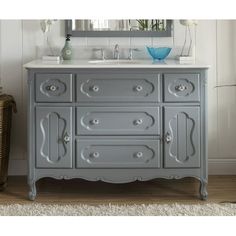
(117, 121)
(117, 153)
(181, 87)
(118, 88)
(53, 88)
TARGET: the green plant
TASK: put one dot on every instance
(157, 25)
(143, 24)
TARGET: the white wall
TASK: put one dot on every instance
(22, 41)
(226, 96)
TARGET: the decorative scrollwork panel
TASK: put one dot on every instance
(53, 137)
(182, 127)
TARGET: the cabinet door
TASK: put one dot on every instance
(182, 137)
(53, 137)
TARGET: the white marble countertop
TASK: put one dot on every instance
(109, 64)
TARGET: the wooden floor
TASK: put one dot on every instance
(220, 188)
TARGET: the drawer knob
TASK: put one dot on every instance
(138, 88)
(94, 122)
(95, 154)
(95, 88)
(66, 138)
(52, 88)
(138, 122)
(168, 137)
(180, 88)
(138, 154)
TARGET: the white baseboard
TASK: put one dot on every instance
(216, 167)
(222, 166)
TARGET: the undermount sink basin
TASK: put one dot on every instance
(114, 62)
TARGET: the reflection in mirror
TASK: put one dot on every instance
(119, 25)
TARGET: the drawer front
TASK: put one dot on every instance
(118, 88)
(119, 153)
(181, 87)
(117, 121)
(53, 87)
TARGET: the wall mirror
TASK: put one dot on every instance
(119, 28)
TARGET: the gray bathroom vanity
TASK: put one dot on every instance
(117, 122)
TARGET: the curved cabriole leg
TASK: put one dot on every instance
(203, 189)
(33, 191)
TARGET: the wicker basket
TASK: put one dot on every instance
(7, 103)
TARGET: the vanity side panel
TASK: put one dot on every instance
(31, 132)
(204, 127)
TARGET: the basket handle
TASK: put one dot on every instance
(14, 106)
(13, 102)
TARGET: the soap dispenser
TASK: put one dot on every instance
(67, 49)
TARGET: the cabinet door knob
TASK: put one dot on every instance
(52, 88)
(66, 138)
(180, 88)
(168, 137)
(138, 154)
(138, 122)
(138, 88)
(95, 88)
(94, 122)
(95, 154)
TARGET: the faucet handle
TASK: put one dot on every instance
(116, 52)
(102, 52)
(116, 47)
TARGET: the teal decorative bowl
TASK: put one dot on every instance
(159, 53)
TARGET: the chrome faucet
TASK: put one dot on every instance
(102, 52)
(116, 52)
